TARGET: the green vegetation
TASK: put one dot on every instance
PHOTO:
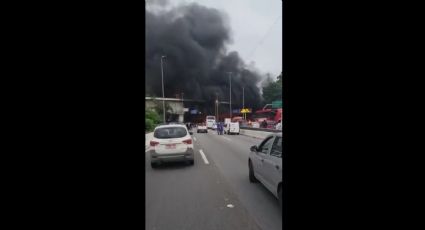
(272, 90)
(152, 119)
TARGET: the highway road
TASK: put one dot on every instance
(214, 193)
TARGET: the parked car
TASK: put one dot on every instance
(171, 143)
(232, 128)
(202, 128)
(265, 165)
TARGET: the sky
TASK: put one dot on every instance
(256, 27)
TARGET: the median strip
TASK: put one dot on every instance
(204, 157)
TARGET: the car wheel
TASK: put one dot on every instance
(192, 162)
(280, 198)
(252, 178)
(238, 133)
(197, 131)
(154, 165)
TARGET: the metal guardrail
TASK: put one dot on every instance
(262, 129)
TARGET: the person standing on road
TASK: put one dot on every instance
(264, 124)
(279, 125)
(221, 128)
(217, 128)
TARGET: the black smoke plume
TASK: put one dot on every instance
(194, 39)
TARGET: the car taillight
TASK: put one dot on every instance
(188, 142)
(153, 143)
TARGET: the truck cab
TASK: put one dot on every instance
(210, 121)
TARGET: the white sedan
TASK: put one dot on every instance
(265, 164)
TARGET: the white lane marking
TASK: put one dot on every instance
(194, 138)
(204, 157)
(227, 138)
(147, 150)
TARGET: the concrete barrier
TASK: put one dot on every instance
(255, 133)
(262, 129)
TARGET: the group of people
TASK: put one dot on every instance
(220, 128)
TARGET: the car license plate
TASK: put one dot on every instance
(170, 146)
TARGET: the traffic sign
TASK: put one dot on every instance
(276, 104)
(246, 110)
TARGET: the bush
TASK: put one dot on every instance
(149, 125)
(152, 115)
(152, 119)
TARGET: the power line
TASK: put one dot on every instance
(264, 37)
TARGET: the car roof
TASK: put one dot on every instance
(275, 134)
(170, 125)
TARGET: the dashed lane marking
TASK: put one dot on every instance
(204, 157)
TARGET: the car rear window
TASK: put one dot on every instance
(170, 132)
(277, 147)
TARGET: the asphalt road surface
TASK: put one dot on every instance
(214, 193)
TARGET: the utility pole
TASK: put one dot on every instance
(218, 103)
(216, 107)
(230, 104)
(163, 97)
(183, 106)
(182, 100)
(243, 101)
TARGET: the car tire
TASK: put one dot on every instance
(192, 162)
(154, 165)
(280, 198)
(252, 178)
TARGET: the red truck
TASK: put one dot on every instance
(272, 116)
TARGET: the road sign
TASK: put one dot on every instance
(246, 110)
(276, 104)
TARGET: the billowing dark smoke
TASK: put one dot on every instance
(194, 39)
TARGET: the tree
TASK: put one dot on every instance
(272, 91)
(279, 78)
(152, 119)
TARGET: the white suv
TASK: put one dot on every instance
(171, 143)
(265, 165)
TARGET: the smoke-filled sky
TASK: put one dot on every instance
(203, 41)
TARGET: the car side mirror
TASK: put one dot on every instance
(254, 148)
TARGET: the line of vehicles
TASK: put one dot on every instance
(267, 117)
(173, 142)
(211, 123)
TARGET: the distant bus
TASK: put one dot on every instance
(210, 120)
